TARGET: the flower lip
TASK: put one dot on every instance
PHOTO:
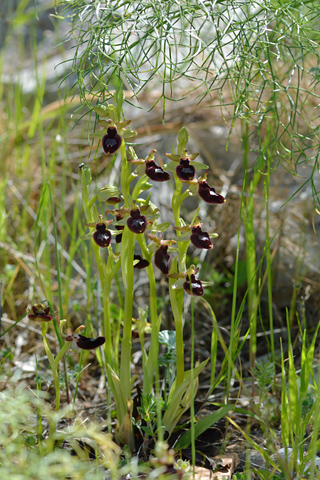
(142, 262)
(156, 173)
(111, 142)
(137, 223)
(193, 286)
(102, 236)
(83, 342)
(161, 259)
(200, 239)
(208, 194)
(185, 171)
(89, 343)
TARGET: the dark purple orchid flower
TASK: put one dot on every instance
(208, 194)
(40, 313)
(185, 171)
(137, 223)
(142, 263)
(111, 142)
(161, 259)
(84, 342)
(156, 173)
(193, 286)
(200, 239)
(102, 236)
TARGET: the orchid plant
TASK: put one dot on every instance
(136, 226)
(131, 238)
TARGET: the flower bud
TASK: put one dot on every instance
(193, 286)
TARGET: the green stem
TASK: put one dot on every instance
(177, 295)
(248, 213)
(124, 177)
(110, 353)
(268, 257)
(127, 254)
(151, 362)
(52, 364)
(61, 354)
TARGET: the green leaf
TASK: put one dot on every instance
(180, 397)
(168, 338)
(203, 425)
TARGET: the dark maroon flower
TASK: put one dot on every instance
(40, 313)
(200, 239)
(161, 259)
(208, 194)
(102, 236)
(111, 142)
(89, 343)
(155, 172)
(84, 342)
(137, 223)
(193, 286)
(185, 171)
(142, 263)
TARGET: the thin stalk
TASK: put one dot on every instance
(266, 178)
(248, 211)
(127, 254)
(150, 366)
(193, 445)
(52, 364)
(108, 350)
(176, 296)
